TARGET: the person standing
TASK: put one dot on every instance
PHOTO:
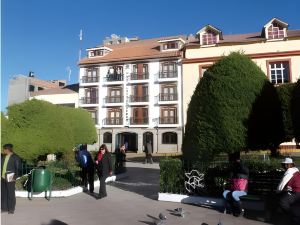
(148, 152)
(120, 158)
(238, 182)
(289, 190)
(10, 171)
(87, 167)
(104, 168)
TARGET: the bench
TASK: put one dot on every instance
(261, 191)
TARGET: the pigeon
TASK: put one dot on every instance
(180, 212)
(161, 219)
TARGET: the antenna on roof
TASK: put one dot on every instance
(80, 39)
(68, 68)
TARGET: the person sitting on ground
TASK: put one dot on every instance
(238, 182)
(87, 167)
(289, 189)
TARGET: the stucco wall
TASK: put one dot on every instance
(59, 98)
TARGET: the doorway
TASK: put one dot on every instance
(129, 139)
(148, 137)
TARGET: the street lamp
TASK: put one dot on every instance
(156, 128)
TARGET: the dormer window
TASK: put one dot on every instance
(98, 52)
(275, 32)
(209, 35)
(275, 29)
(209, 38)
(170, 45)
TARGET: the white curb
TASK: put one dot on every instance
(71, 191)
(197, 200)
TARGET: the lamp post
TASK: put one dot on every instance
(156, 128)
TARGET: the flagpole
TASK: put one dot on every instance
(80, 39)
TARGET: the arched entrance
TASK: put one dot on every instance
(148, 137)
(129, 139)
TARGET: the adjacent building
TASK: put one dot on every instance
(275, 49)
(133, 90)
(21, 87)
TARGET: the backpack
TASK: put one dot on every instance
(82, 159)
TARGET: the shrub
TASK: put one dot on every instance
(171, 175)
(234, 107)
(295, 103)
(37, 128)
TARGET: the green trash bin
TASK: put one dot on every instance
(41, 181)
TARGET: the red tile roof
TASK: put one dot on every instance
(135, 50)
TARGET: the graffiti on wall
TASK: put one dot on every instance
(195, 180)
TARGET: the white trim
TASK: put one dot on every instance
(99, 48)
(71, 191)
(173, 39)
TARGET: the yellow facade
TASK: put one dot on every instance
(198, 58)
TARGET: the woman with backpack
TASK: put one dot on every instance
(104, 168)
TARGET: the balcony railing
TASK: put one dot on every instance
(139, 121)
(168, 97)
(114, 77)
(114, 99)
(89, 100)
(168, 74)
(168, 120)
(137, 76)
(113, 121)
(86, 79)
(134, 98)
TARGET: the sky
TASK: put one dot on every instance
(43, 35)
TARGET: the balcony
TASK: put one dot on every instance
(139, 121)
(113, 121)
(113, 77)
(168, 97)
(134, 98)
(168, 120)
(114, 99)
(137, 76)
(168, 74)
(89, 100)
(86, 79)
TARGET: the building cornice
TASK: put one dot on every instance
(252, 56)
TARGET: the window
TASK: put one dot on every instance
(91, 72)
(168, 92)
(107, 137)
(31, 88)
(202, 70)
(279, 72)
(275, 32)
(169, 138)
(209, 38)
(115, 70)
(40, 88)
(168, 70)
(168, 115)
(170, 45)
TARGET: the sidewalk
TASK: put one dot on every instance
(130, 201)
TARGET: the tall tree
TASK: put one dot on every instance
(227, 110)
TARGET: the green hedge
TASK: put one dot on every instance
(171, 175)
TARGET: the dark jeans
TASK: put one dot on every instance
(8, 196)
(102, 188)
(87, 176)
(287, 202)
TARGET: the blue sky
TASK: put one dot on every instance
(43, 35)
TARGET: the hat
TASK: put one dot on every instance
(287, 161)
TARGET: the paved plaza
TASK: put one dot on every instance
(130, 201)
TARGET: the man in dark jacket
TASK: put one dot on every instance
(10, 171)
(87, 167)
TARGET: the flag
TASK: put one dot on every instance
(80, 35)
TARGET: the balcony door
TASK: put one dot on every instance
(168, 69)
(115, 116)
(91, 95)
(169, 115)
(115, 94)
(140, 93)
(140, 115)
(140, 71)
(169, 92)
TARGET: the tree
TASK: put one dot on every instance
(38, 128)
(285, 93)
(295, 108)
(230, 96)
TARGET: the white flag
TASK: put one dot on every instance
(80, 35)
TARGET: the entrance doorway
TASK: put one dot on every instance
(148, 137)
(129, 139)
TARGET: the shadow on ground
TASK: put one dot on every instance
(142, 181)
(55, 222)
